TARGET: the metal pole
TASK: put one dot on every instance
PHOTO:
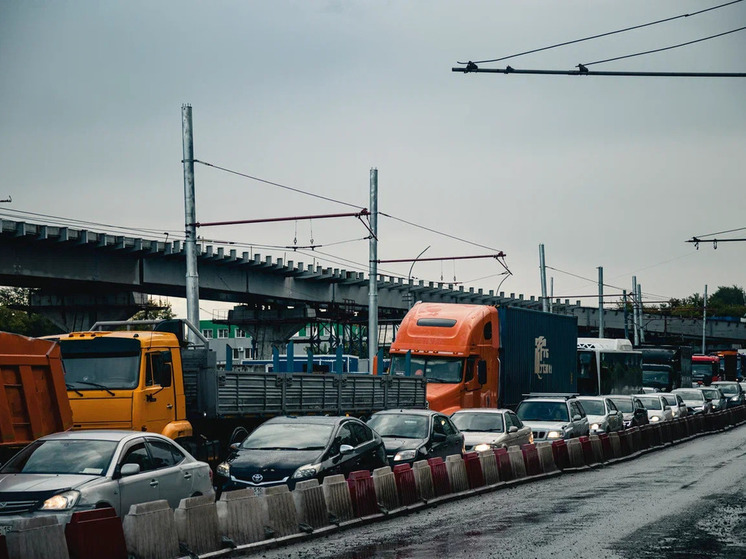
(373, 272)
(543, 274)
(640, 313)
(410, 297)
(190, 213)
(600, 301)
(551, 297)
(626, 318)
(635, 330)
(704, 322)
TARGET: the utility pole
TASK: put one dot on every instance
(551, 297)
(626, 320)
(635, 319)
(373, 273)
(704, 322)
(190, 212)
(543, 273)
(640, 313)
(600, 301)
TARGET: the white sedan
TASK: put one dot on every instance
(486, 429)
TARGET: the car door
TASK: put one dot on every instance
(175, 477)
(372, 454)
(520, 437)
(455, 437)
(579, 426)
(344, 463)
(141, 487)
(639, 412)
(616, 419)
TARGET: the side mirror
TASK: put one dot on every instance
(576, 417)
(129, 470)
(439, 437)
(513, 429)
(235, 446)
(346, 449)
(482, 371)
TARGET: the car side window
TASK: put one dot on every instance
(362, 433)
(612, 406)
(138, 454)
(439, 425)
(449, 427)
(508, 421)
(345, 435)
(575, 409)
(164, 454)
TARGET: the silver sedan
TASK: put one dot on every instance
(603, 415)
(78, 470)
(486, 429)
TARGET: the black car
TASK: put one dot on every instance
(412, 435)
(635, 414)
(733, 392)
(286, 450)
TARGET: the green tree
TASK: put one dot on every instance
(15, 316)
(154, 310)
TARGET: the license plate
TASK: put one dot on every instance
(5, 529)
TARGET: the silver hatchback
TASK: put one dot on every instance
(78, 470)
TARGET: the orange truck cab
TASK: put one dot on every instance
(480, 356)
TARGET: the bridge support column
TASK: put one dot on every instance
(79, 311)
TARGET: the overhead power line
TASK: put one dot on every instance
(603, 34)
(582, 71)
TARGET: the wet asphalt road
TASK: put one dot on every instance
(687, 501)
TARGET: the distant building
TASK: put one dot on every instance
(221, 335)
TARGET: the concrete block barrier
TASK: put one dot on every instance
(608, 454)
(531, 460)
(546, 457)
(587, 449)
(488, 461)
(423, 479)
(310, 504)
(150, 531)
(474, 472)
(363, 493)
(93, 534)
(624, 442)
(561, 455)
(338, 498)
(457, 473)
(616, 447)
(575, 452)
(405, 485)
(441, 481)
(41, 537)
(283, 519)
(634, 440)
(384, 483)
(667, 432)
(242, 516)
(196, 520)
(598, 452)
(517, 463)
(655, 433)
(503, 464)
(645, 437)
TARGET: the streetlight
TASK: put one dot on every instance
(409, 278)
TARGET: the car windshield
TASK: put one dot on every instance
(691, 395)
(62, 457)
(711, 394)
(623, 404)
(651, 403)
(529, 410)
(728, 388)
(593, 407)
(492, 422)
(288, 436)
(400, 426)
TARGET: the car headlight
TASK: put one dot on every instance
(309, 470)
(62, 501)
(480, 447)
(405, 455)
(734, 399)
(223, 469)
(595, 427)
(555, 435)
(654, 418)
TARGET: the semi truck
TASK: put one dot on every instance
(481, 356)
(33, 396)
(161, 380)
(666, 367)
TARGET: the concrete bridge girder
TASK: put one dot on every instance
(79, 311)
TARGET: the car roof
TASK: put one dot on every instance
(547, 399)
(592, 397)
(308, 419)
(397, 411)
(623, 396)
(98, 435)
(481, 410)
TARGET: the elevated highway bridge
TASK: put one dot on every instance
(83, 276)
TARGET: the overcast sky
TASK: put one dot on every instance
(605, 171)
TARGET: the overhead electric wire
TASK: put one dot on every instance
(604, 34)
(585, 64)
(720, 232)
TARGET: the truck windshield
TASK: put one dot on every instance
(434, 369)
(101, 363)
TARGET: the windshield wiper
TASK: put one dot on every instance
(435, 379)
(97, 385)
(71, 387)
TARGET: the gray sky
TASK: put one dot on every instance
(612, 172)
